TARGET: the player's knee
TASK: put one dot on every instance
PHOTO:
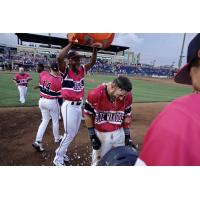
(45, 121)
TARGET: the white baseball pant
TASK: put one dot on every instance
(108, 141)
(50, 110)
(72, 115)
(22, 93)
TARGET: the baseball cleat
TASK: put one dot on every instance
(38, 146)
(57, 163)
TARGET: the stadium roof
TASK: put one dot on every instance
(43, 39)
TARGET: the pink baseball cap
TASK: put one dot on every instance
(183, 75)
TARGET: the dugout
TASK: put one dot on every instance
(50, 41)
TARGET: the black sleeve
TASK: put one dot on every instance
(88, 108)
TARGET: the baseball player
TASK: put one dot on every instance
(21, 80)
(50, 87)
(108, 116)
(174, 136)
(72, 93)
(41, 71)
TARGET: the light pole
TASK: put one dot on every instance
(181, 55)
(49, 40)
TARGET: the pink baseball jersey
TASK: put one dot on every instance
(73, 84)
(22, 79)
(174, 136)
(108, 116)
(50, 86)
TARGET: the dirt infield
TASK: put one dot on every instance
(18, 127)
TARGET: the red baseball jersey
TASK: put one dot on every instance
(50, 86)
(73, 84)
(22, 79)
(108, 116)
(173, 138)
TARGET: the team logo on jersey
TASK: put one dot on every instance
(23, 81)
(111, 117)
(78, 85)
(73, 85)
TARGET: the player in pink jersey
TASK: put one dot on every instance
(50, 88)
(108, 116)
(21, 80)
(174, 136)
(40, 69)
(72, 92)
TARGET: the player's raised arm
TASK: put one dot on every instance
(62, 55)
(93, 59)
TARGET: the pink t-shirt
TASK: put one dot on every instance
(22, 79)
(174, 136)
(50, 86)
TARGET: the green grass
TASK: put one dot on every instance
(143, 91)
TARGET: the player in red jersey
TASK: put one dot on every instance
(108, 116)
(72, 93)
(21, 80)
(50, 87)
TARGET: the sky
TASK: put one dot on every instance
(164, 48)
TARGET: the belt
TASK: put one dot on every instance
(76, 103)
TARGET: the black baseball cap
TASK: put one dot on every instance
(183, 75)
(54, 66)
(73, 54)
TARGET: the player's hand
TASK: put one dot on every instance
(128, 140)
(95, 47)
(72, 38)
(95, 142)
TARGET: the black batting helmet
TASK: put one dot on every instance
(119, 156)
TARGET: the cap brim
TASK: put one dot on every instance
(183, 76)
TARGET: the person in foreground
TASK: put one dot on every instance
(173, 139)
